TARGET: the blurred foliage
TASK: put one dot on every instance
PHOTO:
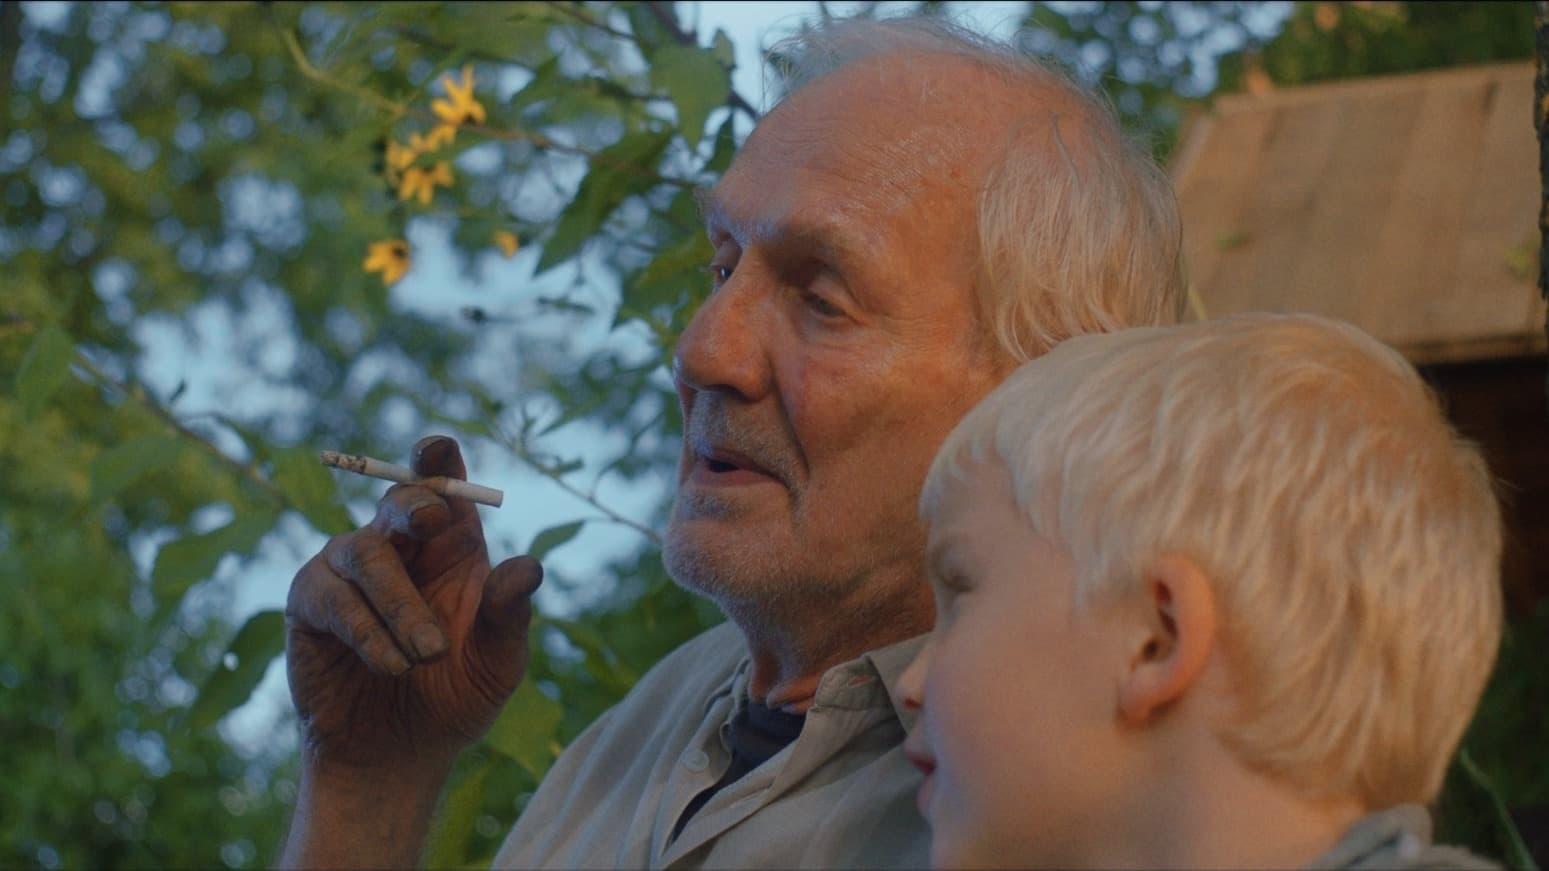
(166, 167)
(1326, 41)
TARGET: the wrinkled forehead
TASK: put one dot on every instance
(878, 139)
(872, 137)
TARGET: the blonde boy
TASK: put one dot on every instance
(1217, 595)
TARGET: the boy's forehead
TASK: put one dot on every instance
(971, 492)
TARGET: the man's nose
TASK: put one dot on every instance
(724, 346)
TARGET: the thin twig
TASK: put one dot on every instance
(427, 41)
(589, 20)
(312, 72)
(157, 410)
(521, 452)
(161, 413)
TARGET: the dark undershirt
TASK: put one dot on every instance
(756, 734)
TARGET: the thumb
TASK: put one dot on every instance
(500, 634)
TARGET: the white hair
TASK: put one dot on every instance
(1078, 227)
(1352, 539)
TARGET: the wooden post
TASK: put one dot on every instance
(1541, 127)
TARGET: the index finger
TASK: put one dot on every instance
(413, 511)
(440, 455)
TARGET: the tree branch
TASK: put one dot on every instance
(589, 20)
(519, 449)
(299, 55)
(242, 470)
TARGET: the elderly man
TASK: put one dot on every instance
(922, 211)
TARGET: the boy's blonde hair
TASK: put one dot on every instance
(1352, 539)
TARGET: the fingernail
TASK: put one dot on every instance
(395, 662)
(428, 641)
(435, 442)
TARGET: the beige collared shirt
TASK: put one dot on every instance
(840, 796)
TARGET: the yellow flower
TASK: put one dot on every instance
(390, 257)
(422, 182)
(399, 157)
(462, 107)
(508, 242)
(439, 137)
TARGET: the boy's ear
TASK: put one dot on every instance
(1170, 652)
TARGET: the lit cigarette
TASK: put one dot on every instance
(391, 472)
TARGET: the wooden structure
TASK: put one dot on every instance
(1407, 205)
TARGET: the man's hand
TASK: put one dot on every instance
(401, 643)
(402, 646)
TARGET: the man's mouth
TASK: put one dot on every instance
(719, 467)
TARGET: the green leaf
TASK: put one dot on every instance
(651, 34)
(526, 728)
(257, 643)
(697, 83)
(448, 846)
(1514, 848)
(725, 147)
(676, 278)
(723, 50)
(190, 559)
(310, 490)
(622, 169)
(547, 82)
(601, 660)
(123, 464)
(43, 369)
(553, 537)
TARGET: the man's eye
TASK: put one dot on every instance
(821, 306)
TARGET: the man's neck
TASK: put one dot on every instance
(791, 655)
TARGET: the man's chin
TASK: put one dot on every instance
(723, 558)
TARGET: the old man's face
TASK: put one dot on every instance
(837, 349)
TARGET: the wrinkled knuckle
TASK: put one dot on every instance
(368, 544)
(365, 634)
(325, 596)
(398, 611)
(364, 548)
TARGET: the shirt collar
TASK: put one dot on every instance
(890, 663)
(839, 684)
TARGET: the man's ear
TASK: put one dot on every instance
(1170, 653)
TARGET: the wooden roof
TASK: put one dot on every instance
(1407, 205)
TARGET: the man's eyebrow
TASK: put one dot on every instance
(709, 205)
(823, 236)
